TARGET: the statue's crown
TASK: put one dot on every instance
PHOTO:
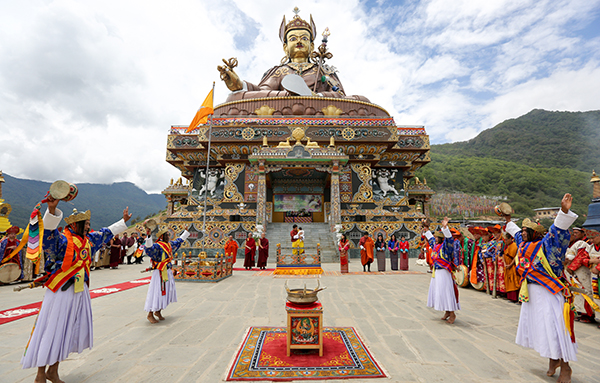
(76, 217)
(297, 23)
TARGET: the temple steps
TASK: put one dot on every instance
(315, 232)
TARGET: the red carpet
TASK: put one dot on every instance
(33, 308)
(262, 356)
(253, 269)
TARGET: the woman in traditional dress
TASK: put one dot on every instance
(115, 252)
(64, 323)
(263, 251)
(380, 246)
(343, 247)
(393, 247)
(403, 250)
(250, 251)
(443, 293)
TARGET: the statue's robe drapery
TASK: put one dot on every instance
(270, 85)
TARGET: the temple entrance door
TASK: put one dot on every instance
(298, 194)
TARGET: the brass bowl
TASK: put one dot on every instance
(303, 296)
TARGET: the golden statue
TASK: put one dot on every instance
(298, 38)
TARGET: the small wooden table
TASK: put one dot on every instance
(304, 326)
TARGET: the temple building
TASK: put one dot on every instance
(296, 148)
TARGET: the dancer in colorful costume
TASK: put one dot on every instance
(443, 293)
(161, 290)
(8, 249)
(582, 257)
(64, 323)
(546, 320)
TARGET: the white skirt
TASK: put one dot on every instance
(63, 325)
(441, 292)
(542, 325)
(155, 301)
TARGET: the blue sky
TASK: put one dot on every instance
(88, 90)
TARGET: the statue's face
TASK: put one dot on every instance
(298, 45)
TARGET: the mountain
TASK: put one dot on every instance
(533, 160)
(105, 201)
(540, 139)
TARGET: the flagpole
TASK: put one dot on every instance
(210, 123)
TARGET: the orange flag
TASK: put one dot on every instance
(201, 116)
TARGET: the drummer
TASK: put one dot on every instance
(64, 323)
(9, 244)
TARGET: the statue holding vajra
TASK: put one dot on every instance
(301, 62)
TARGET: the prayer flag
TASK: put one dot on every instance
(201, 116)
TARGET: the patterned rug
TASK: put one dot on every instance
(262, 356)
(33, 308)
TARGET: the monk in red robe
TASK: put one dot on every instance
(366, 245)
(249, 252)
(263, 252)
(231, 247)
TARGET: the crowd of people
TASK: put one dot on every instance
(551, 273)
(369, 250)
(121, 249)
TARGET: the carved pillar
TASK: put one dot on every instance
(169, 206)
(261, 196)
(336, 217)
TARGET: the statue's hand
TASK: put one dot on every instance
(232, 80)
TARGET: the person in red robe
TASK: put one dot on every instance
(249, 252)
(263, 252)
(231, 247)
(366, 245)
(115, 252)
(403, 248)
(343, 247)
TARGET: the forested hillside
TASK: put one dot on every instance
(533, 160)
(540, 139)
(105, 201)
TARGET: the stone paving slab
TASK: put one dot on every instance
(204, 329)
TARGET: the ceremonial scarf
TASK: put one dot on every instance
(166, 258)
(76, 264)
(526, 255)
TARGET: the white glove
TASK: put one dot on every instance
(362, 247)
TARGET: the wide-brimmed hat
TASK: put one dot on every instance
(495, 228)
(13, 230)
(591, 234)
(162, 230)
(77, 217)
(439, 234)
(455, 233)
(534, 226)
(466, 233)
(475, 229)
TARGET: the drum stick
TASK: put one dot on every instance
(495, 277)
(36, 283)
(485, 274)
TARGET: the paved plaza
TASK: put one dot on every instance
(202, 331)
